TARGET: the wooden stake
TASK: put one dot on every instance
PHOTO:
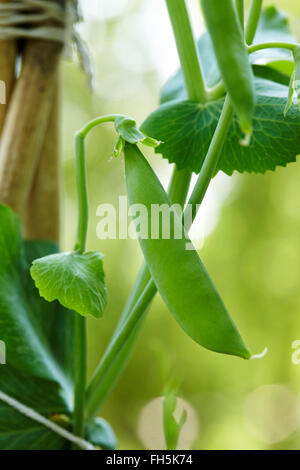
(26, 122)
(8, 52)
(41, 220)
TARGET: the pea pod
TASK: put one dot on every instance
(227, 37)
(179, 274)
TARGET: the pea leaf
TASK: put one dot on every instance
(76, 280)
(18, 432)
(23, 326)
(175, 266)
(100, 433)
(186, 128)
(39, 344)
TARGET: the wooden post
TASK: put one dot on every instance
(8, 51)
(41, 220)
(26, 122)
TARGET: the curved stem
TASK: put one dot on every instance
(187, 50)
(95, 122)
(271, 45)
(216, 92)
(83, 206)
(252, 23)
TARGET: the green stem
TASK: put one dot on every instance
(83, 205)
(271, 45)
(187, 50)
(210, 163)
(216, 92)
(179, 186)
(80, 245)
(80, 322)
(95, 122)
(252, 23)
(240, 11)
(80, 375)
(125, 331)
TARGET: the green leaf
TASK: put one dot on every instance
(100, 433)
(39, 344)
(18, 432)
(172, 427)
(176, 268)
(76, 280)
(186, 128)
(57, 322)
(22, 325)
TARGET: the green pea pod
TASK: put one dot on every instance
(227, 37)
(178, 273)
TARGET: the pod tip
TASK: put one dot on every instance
(261, 355)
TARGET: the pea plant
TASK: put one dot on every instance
(231, 107)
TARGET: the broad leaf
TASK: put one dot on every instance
(186, 129)
(18, 432)
(21, 312)
(57, 322)
(76, 280)
(100, 433)
(39, 344)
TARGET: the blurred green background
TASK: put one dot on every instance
(250, 229)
